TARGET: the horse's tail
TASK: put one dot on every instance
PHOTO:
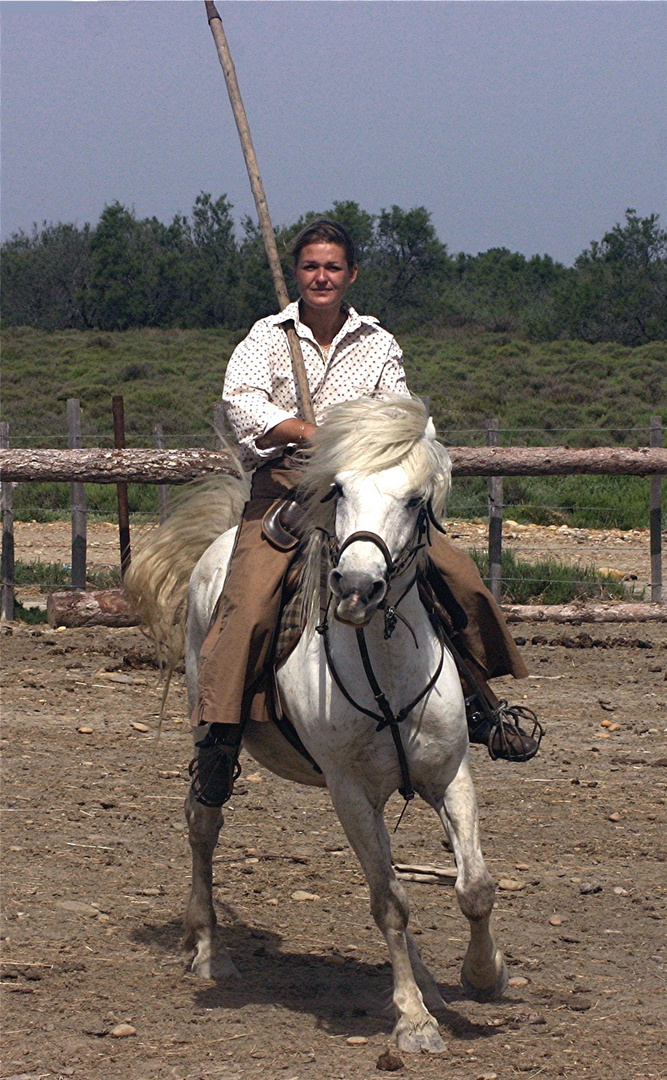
(157, 580)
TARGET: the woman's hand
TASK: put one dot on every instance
(294, 431)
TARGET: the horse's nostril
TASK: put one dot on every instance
(334, 582)
(378, 589)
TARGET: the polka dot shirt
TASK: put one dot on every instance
(259, 390)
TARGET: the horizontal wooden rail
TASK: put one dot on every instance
(180, 466)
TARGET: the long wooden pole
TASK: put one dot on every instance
(227, 64)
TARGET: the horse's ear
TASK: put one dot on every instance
(429, 430)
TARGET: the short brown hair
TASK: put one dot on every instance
(323, 231)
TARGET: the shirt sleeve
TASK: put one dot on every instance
(392, 377)
(247, 391)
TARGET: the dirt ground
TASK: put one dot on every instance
(95, 872)
(626, 552)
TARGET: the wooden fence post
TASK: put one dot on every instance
(121, 489)
(219, 425)
(162, 489)
(78, 500)
(7, 536)
(656, 519)
(495, 517)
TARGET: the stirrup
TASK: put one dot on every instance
(216, 768)
(500, 729)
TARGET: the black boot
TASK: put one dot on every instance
(498, 727)
(215, 768)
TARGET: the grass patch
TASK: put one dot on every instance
(32, 616)
(548, 581)
(50, 576)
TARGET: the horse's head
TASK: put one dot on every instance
(373, 478)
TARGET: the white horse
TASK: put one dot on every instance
(381, 466)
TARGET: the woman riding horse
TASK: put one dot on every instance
(346, 356)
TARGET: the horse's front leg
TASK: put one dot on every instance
(416, 1030)
(483, 975)
(211, 959)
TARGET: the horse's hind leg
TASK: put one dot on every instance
(484, 975)
(416, 1030)
(211, 959)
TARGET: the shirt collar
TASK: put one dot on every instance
(353, 322)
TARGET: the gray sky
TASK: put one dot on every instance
(527, 125)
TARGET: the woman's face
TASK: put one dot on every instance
(323, 276)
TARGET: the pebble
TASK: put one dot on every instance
(510, 885)
(356, 1040)
(556, 920)
(301, 895)
(620, 891)
(389, 1061)
(521, 866)
(487, 1076)
(273, 902)
(517, 980)
(85, 730)
(255, 778)
(588, 887)
(77, 907)
(139, 727)
(615, 816)
(605, 723)
(614, 727)
(121, 1031)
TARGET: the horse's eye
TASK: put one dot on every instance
(335, 492)
(414, 502)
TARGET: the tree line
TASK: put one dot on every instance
(197, 271)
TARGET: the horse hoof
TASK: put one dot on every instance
(491, 992)
(221, 968)
(419, 1039)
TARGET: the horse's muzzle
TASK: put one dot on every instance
(358, 595)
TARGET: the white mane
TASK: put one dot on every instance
(368, 435)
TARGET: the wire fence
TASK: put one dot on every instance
(580, 503)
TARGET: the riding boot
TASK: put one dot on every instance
(215, 768)
(496, 724)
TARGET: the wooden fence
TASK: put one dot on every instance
(167, 467)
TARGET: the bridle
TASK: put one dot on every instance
(386, 717)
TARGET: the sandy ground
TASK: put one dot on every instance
(96, 868)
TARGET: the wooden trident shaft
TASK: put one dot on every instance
(227, 64)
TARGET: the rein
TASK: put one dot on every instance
(386, 717)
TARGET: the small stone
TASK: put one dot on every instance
(487, 1076)
(510, 885)
(605, 723)
(519, 641)
(389, 1061)
(255, 778)
(618, 890)
(614, 727)
(85, 730)
(588, 887)
(301, 895)
(122, 1031)
(168, 774)
(336, 960)
(615, 816)
(139, 727)
(272, 902)
(556, 920)
(356, 1040)
(601, 734)
(517, 980)
(606, 705)
(77, 907)
(521, 866)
